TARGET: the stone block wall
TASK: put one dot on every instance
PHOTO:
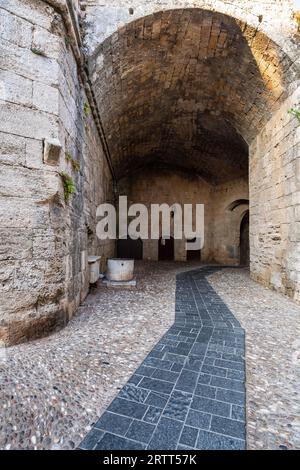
(270, 16)
(227, 219)
(45, 240)
(222, 225)
(275, 202)
(164, 186)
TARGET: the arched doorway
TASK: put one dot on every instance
(166, 249)
(193, 255)
(129, 248)
(244, 241)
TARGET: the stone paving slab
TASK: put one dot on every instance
(189, 392)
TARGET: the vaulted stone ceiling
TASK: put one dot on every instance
(188, 89)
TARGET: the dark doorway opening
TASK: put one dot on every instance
(193, 255)
(244, 241)
(166, 249)
(128, 248)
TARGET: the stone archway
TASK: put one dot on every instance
(193, 255)
(197, 91)
(105, 19)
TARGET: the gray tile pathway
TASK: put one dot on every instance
(189, 393)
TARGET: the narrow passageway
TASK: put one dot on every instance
(189, 392)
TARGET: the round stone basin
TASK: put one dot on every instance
(120, 269)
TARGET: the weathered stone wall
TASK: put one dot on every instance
(270, 16)
(164, 186)
(45, 240)
(229, 203)
(275, 202)
(222, 225)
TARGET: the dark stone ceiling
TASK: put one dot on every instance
(187, 88)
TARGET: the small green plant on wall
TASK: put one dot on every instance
(295, 112)
(86, 109)
(69, 185)
(75, 163)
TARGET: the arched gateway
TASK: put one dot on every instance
(165, 103)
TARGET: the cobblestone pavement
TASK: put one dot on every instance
(272, 324)
(189, 392)
(53, 389)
